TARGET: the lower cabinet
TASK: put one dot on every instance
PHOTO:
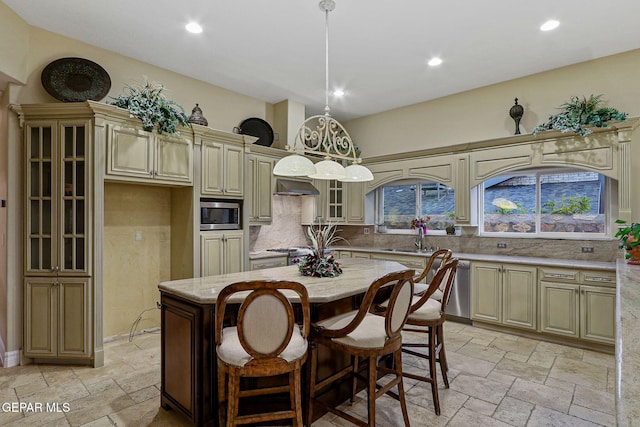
(349, 254)
(221, 252)
(578, 311)
(58, 313)
(262, 263)
(505, 294)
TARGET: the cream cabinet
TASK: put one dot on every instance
(417, 262)
(222, 168)
(139, 156)
(58, 317)
(261, 190)
(350, 254)
(221, 252)
(355, 205)
(338, 202)
(578, 304)
(58, 256)
(505, 294)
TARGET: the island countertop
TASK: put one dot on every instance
(628, 344)
(357, 275)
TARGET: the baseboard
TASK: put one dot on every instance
(10, 359)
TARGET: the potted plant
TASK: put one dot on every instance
(579, 112)
(382, 227)
(450, 228)
(148, 103)
(629, 236)
(319, 264)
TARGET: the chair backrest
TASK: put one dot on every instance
(266, 317)
(396, 311)
(441, 255)
(443, 279)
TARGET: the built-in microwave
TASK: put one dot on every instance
(219, 215)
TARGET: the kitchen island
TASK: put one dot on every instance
(188, 366)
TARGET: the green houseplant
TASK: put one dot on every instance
(318, 263)
(629, 236)
(148, 103)
(577, 113)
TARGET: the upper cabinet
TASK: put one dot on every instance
(338, 202)
(221, 163)
(136, 155)
(261, 183)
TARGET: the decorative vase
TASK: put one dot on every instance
(516, 113)
(197, 117)
(317, 266)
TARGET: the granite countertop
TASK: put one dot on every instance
(537, 261)
(357, 275)
(628, 344)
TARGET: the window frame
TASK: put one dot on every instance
(538, 172)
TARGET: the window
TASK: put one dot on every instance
(401, 202)
(545, 202)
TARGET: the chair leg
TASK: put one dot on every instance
(296, 401)
(432, 368)
(312, 372)
(442, 356)
(222, 393)
(233, 398)
(403, 403)
(371, 391)
(354, 384)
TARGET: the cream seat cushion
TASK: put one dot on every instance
(370, 333)
(430, 310)
(421, 288)
(231, 352)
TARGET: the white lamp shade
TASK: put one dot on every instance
(329, 169)
(357, 173)
(294, 165)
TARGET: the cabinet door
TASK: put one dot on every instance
(335, 201)
(174, 159)
(40, 317)
(519, 296)
(559, 308)
(261, 170)
(130, 152)
(233, 171)
(41, 190)
(234, 252)
(597, 314)
(74, 317)
(486, 292)
(211, 254)
(355, 202)
(212, 172)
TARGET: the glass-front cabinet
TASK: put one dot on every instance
(57, 198)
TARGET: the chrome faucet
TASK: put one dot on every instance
(418, 242)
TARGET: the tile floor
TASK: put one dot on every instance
(496, 379)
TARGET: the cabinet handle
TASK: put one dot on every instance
(55, 269)
(55, 283)
(560, 276)
(599, 278)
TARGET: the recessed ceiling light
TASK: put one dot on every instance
(193, 27)
(339, 93)
(435, 61)
(551, 24)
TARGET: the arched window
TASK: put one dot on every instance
(545, 202)
(401, 202)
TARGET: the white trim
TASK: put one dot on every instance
(11, 359)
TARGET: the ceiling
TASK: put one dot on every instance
(274, 50)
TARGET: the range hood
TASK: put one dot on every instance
(290, 187)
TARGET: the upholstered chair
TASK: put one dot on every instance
(266, 341)
(362, 334)
(437, 259)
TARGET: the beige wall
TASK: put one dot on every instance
(14, 46)
(484, 113)
(133, 268)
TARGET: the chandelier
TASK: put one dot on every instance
(322, 135)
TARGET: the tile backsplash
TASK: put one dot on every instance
(284, 231)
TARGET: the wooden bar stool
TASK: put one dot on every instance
(436, 260)
(266, 342)
(364, 334)
(427, 315)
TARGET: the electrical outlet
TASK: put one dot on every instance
(138, 235)
(587, 249)
(366, 230)
(502, 245)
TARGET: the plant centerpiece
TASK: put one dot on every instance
(629, 236)
(148, 103)
(318, 264)
(577, 113)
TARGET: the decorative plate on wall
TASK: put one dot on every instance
(257, 127)
(75, 80)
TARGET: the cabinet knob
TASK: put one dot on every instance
(55, 269)
(55, 283)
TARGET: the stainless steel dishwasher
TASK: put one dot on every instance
(459, 307)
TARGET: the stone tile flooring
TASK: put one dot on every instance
(496, 379)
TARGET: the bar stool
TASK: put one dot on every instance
(428, 315)
(266, 342)
(363, 334)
